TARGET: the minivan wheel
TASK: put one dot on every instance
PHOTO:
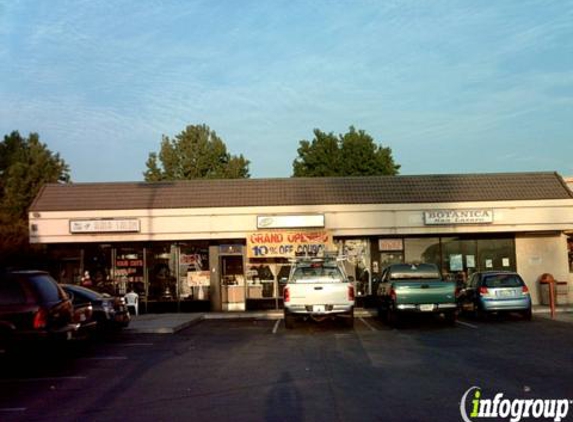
(450, 318)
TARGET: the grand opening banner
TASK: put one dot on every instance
(288, 243)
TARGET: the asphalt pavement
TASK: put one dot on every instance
(170, 323)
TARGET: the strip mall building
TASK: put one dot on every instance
(226, 244)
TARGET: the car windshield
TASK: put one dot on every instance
(502, 280)
(318, 272)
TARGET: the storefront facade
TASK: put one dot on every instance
(227, 245)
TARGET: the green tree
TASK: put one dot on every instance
(26, 164)
(354, 153)
(195, 153)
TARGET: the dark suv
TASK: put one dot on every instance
(33, 307)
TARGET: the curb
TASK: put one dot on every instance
(159, 325)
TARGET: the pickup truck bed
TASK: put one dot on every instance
(416, 289)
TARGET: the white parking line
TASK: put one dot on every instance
(465, 324)
(106, 358)
(276, 327)
(7, 381)
(135, 344)
(367, 324)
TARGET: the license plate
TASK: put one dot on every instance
(506, 293)
(426, 308)
(319, 309)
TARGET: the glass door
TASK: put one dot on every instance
(232, 283)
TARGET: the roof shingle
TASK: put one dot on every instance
(301, 191)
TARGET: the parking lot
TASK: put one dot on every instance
(256, 370)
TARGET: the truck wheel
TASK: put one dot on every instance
(349, 320)
(450, 318)
(289, 321)
(391, 317)
(382, 313)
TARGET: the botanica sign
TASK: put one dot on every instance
(467, 216)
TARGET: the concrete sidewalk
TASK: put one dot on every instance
(172, 323)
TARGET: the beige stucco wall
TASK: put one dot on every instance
(541, 253)
(341, 220)
(536, 253)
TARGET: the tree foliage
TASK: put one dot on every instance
(354, 153)
(26, 164)
(196, 153)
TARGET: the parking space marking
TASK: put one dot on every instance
(367, 324)
(466, 324)
(276, 327)
(106, 358)
(136, 344)
(43, 379)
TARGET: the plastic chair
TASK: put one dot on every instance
(132, 300)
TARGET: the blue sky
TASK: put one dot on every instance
(451, 86)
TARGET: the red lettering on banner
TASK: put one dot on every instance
(266, 238)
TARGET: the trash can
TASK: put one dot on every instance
(545, 282)
(561, 293)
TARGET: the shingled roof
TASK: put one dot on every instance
(301, 191)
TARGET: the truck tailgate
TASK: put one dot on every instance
(318, 293)
(421, 292)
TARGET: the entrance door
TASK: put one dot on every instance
(232, 283)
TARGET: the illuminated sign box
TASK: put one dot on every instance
(290, 221)
(124, 225)
(467, 216)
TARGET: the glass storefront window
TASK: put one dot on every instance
(162, 283)
(193, 270)
(97, 269)
(264, 286)
(458, 258)
(425, 250)
(357, 264)
(496, 254)
(128, 274)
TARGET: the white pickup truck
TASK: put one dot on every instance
(318, 288)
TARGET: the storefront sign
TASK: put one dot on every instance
(468, 216)
(289, 221)
(282, 243)
(390, 245)
(105, 226)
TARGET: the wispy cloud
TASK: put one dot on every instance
(103, 80)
